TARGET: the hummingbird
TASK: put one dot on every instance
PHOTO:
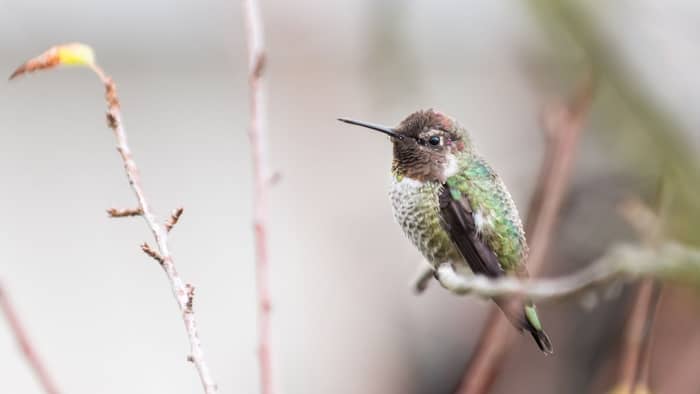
(455, 209)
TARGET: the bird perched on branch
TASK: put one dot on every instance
(456, 210)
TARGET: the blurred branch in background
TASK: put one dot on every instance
(20, 334)
(563, 125)
(636, 352)
(82, 55)
(651, 140)
(636, 359)
(263, 179)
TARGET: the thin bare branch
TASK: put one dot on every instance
(146, 248)
(25, 344)
(46, 60)
(159, 233)
(668, 261)
(262, 179)
(121, 213)
(565, 126)
(79, 54)
(174, 218)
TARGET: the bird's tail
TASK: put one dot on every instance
(526, 319)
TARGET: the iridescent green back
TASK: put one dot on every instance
(487, 194)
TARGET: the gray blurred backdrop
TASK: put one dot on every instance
(345, 321)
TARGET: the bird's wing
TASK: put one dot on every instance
(458, 220)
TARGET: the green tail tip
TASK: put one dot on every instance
(535, 328)
(542, 341)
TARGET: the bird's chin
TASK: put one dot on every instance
(451, 166)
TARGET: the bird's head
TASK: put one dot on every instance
(426, 145)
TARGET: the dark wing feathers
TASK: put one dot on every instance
(458, 221)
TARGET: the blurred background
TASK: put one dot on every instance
(344, 318)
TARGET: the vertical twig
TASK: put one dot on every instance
(636, 353)
(82, 55)
(25, 344)
(180, 290)
(262, 181)
(563, 129)
(634, 368)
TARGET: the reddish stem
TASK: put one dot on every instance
(634, 368)
(25, 344)
(262, 181)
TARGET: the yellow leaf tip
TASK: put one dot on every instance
(76, 54)
(73, 54)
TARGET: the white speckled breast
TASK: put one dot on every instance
(416, 209)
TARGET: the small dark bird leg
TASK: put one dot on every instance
(423, 276)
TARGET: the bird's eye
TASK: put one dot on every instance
(434, 140)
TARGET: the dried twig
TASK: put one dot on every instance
(146, 248)
(263, 179)
(121, 213)
(174, 218)
(79, 54)
(564, 127)
(25, 344)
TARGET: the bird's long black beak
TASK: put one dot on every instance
(382, 129)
